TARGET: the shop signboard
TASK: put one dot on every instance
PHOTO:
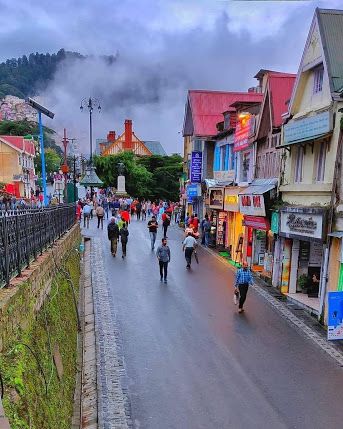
(231, 200)
(224, 176)
(192, 192)
(216, 196)
(335, 315)
(221, 229)
(307, 128)
(252, 205)
(196, 166)
(274, 227)
(244, 129)
(256, 222)
(301, 225)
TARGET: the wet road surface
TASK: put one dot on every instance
(193, 362)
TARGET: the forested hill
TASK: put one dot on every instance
(27, 76)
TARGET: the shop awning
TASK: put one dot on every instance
(257, 222)
(336, 234)
(259, 187)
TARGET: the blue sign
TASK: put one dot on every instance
(307, 128)
(196, 166)
(335, 315)
(192, 191)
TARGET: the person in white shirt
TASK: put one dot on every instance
(189, 244)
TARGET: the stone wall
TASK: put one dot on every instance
(38, 338)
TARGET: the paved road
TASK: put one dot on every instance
(193, 362)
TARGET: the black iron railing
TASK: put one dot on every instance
(25, 234)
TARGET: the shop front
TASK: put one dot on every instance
(255, 202)
(234, 230)
(217, 217)
(302, 231)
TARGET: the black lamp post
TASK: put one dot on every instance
(90, 178)
(90, 103)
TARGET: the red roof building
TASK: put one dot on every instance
(277, 90)
(17, 164)
(204, 109)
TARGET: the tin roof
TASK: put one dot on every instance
(280, 91)
(19, 143)
(330, 23)
(205, 109)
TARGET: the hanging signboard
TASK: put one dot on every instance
(196, 166)
(224, 176)
(252, 205)
(192, 191)
(335, 315)
(275, 223)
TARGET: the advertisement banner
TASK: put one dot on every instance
(244, 129)
(196, 166)
(275, 223)
(252, 205)
(335, 315)
(231, 202)
(216, 198)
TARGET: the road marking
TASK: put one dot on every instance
(288, 315)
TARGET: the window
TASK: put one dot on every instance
(222, 157)
(321, 159)
(318, 75)
(245, 167)
(299, 161)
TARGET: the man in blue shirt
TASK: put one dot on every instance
(243, 280)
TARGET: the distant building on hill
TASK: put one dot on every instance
(128, 142)
(16, 109)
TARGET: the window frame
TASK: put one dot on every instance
(299, 164)
(318, 78)
(321, 162)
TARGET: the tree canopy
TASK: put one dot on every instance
(22, 128)
(52, 161)
(151, 177)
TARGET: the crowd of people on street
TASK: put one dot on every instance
(121, 211)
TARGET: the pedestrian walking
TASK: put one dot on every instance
(100, 212)
(113, 235)
(152, 226)
(163, 256)
(138, 210)
(86, 215)
(166, 223)
(124, 237)
(243, 280)
(189, 244)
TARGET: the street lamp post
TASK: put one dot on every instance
(41, 109)
(90, 179)
(90, 103)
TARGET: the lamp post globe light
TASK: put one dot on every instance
(90, 178)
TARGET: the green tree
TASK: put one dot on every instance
(138, 179)
(166, 173)
(22, 128)
(52, 161)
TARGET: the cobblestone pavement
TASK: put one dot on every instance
(191, 361)
(113, 403)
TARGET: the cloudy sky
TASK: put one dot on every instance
(163, 48)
